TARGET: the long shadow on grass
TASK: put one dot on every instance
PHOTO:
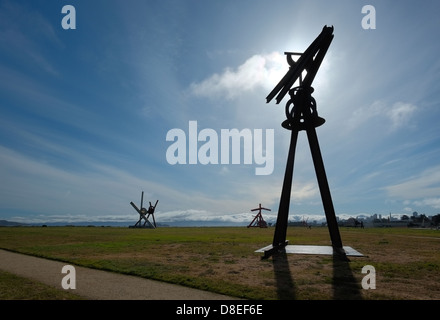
(345, 285)
(283, 277)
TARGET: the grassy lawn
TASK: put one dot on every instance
(13, 287)
(407, 261)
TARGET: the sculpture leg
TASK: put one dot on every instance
(154, 221)
(324, 189)
(279, 238)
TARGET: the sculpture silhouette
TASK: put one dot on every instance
(258, 220)
(144, 214)
(301, 113)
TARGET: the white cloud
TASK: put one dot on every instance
(398, 114)
(422, 189)
(306, 191)
(431, 202)
(259, 71)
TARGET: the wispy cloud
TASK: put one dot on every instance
(259, 71)
(422, 189)
(431, 202)
(397, 114)
(400, 114)
(95, 190)
(30, 184)
(23, 34)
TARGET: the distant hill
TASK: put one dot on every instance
(5, 223)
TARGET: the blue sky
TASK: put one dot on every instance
(85, 112)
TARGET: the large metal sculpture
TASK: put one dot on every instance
(144, 214)
(301, 113)
(258, 220)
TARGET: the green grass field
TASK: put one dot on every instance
(222, 260)
(13, 287)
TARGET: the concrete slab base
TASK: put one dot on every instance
(308, 249)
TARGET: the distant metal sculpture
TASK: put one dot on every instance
(258, 220)
(144, 214)
(301, 113)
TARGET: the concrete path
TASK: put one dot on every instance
(99, 285)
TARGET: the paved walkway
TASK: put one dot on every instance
(99, 285)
